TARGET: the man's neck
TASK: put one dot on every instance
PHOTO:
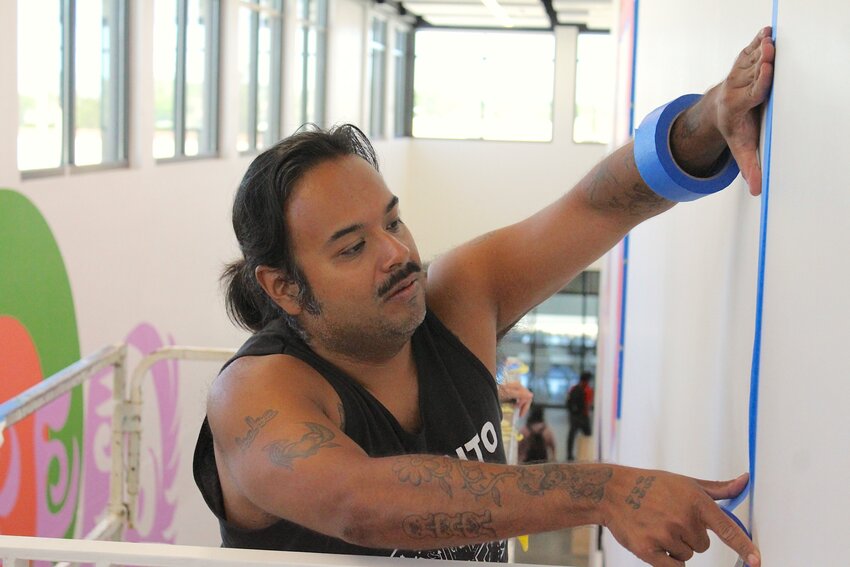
(376, 368)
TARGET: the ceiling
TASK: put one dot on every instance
(524, 14)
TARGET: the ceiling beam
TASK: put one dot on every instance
(550, 11)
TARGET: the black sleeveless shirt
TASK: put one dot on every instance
(460, 417)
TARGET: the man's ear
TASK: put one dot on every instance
(280, 288)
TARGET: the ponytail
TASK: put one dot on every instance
(247, 304)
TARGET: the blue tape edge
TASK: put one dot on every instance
(749, 490)
(655, 163)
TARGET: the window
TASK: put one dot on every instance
(186, 78)
(260, 40)
(377, 74)
(401, 62)
(557, 339)
(484, 85)
(312, 23)
(72, 84)
(594, 88)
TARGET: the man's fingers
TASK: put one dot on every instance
(721, 489)
(732, 535)
(763, 33)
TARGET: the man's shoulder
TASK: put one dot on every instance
(251, 380)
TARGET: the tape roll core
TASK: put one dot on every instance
(655, 162)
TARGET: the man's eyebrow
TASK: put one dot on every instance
(391, 205)
(354, 227)
(343, 231)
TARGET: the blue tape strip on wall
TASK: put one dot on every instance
(655, 162)
(756, 362)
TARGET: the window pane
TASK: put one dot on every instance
(594, 88)
(400, 57)
(39, 85)
(557, 340)
(377, 81)
(96, 89)
(259, 68)
(247, 104)
(484, 85)
(164, 66)
(265, 91)
(200, 108)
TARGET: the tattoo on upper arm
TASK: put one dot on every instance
(580, 483)
(469, 525)
(283, 452)
(642, 486)
(254, 426)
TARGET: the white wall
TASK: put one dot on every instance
(803, 459)
(691, 280)
(692, 286)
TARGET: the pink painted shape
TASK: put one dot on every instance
(157, 500)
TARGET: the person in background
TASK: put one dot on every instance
(579, 408)
(538, 441)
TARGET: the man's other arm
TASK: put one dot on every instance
(282, 450)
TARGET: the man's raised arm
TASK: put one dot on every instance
(503, 274)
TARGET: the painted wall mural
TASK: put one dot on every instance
(45, 457)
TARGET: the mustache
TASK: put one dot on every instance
(393, 279)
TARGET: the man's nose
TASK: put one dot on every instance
(395, 251)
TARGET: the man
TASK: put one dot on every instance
(362, 417)
(579, 403)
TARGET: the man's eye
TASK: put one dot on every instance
(353, 250)
(395, 225)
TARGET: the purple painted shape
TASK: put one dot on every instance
(98, 443)
(160, 455)
(10, 488)
(55, 504)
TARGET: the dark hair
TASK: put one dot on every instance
(535, 415)
(586, 376)
(260, 225)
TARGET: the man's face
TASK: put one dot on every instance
(358, 257)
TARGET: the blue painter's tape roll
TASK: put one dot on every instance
(655, 162)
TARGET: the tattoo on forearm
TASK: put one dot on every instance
(254, 426)
(469, 525)
(418, 470)
(581, 484)
(283, 452)
(642, 486)
(607, 192)
(481, 484)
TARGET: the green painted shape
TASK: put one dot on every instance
(35, 290)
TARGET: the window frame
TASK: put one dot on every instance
(275, 9)
(576, 87)
(487, 30)
(377, 116)
(119, 62)
(212, 87)
(403, 90)
(319, 26)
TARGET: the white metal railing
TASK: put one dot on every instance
(16, 551)
(132, 413)
(126, 420)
